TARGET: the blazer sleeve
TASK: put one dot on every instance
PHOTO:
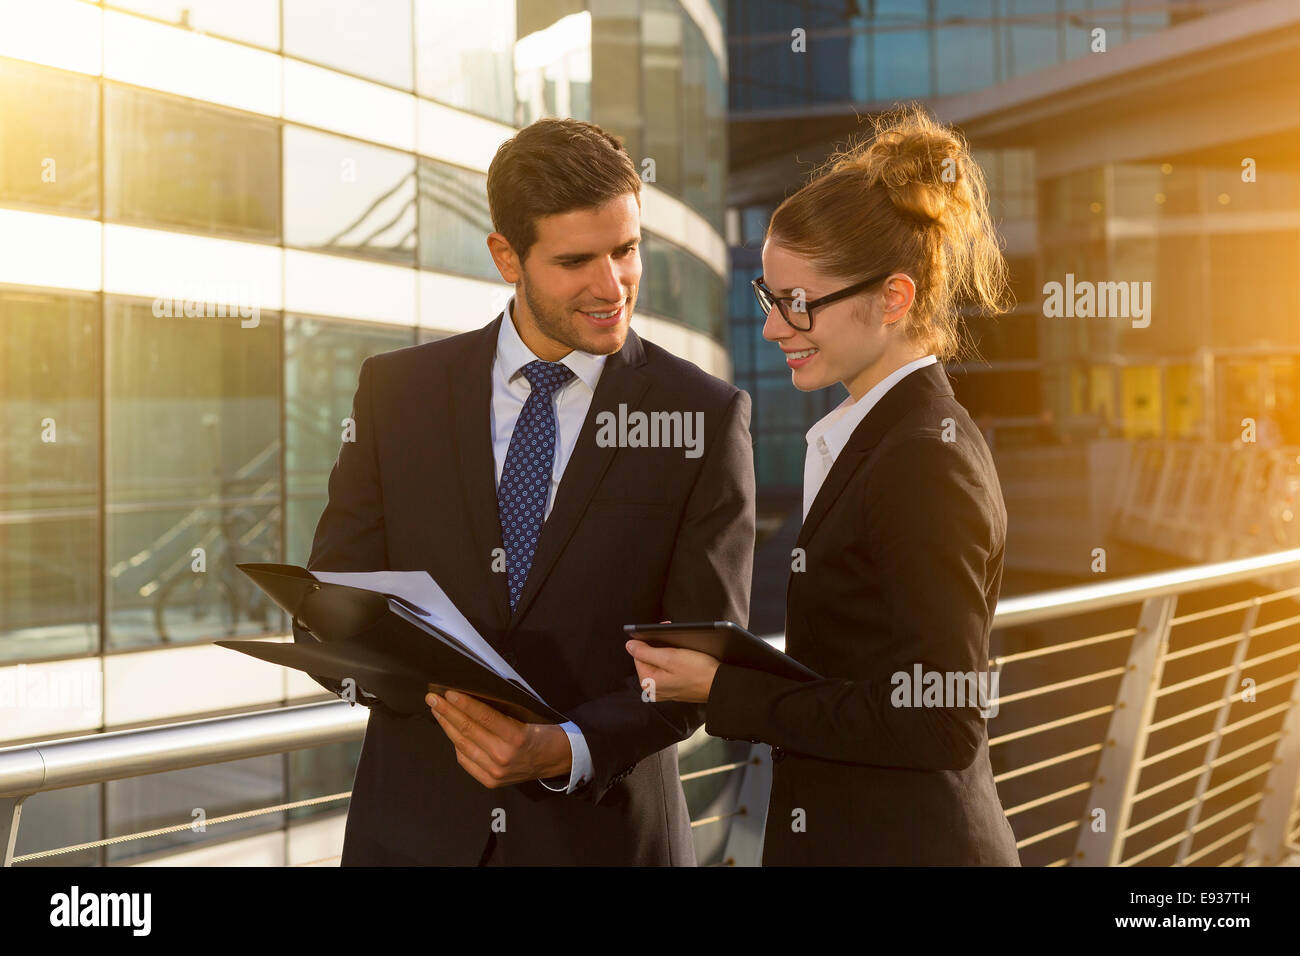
(927, 530)
(350, 535)
(708, 579)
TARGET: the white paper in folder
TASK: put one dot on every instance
(419, 588)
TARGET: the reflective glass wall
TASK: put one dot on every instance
(1222, 343)
(801, 73)
(211, 213)
(145, 442)
(898, 49)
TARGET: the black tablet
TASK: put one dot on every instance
(728, 642)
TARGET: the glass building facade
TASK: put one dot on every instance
(1216, 251)
(211, 212)
(883, 50)
(804, 71)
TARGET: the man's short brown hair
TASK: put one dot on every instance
(555, 166)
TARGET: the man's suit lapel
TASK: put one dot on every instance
(913, 389)
(620, 383)
(471, 401)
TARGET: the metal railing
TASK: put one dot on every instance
(1137, 744)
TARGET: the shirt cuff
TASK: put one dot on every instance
(581, 770)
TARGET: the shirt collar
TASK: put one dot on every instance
(832, 433)
(513, 354)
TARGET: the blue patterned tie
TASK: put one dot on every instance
(526, 476)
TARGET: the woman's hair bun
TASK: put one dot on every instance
(918, 162)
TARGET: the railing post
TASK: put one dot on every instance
(1267, 845)
(1126, 739)
(11, 808)
(22, 773)
(1230, 689)
(745, 836)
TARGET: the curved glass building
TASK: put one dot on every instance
(211, 212)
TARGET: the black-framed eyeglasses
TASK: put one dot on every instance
(787, 303)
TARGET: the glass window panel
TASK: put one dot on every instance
(349, 197)
(901, 64)
(616, 59)
(830, 69)
(254, 21)
(741, 349)
(193, 462)
(753, 228)
(696, 184)
(327, 32)
(897, 10)
(320, 771)
(58, 818)
(741, 305)
(454, 221)
(1180, 186)
(785, 408)
(49, 148)
(537, 15)
(768, 356)
(705, 299)
(676, 285)
(1254, 298)
(166, 799)
(1228, 194)
(1032, 45)
(715, 109)
(963, 59)
(465, 55)
(321, 365)
(661, 280)
(661, 66)
(963, 10)
(553, 67)
(1018, 200)
(1134, 189)
(49, 457)
(1077, 34)
(779, 460)
(173, 162)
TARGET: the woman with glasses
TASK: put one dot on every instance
(885, 760)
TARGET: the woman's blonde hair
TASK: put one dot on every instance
(909, 199)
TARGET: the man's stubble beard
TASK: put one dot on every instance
(559, 327)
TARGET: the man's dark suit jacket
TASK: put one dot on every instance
(635, 535)
(904, 545)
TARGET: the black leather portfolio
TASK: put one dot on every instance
(386, 644)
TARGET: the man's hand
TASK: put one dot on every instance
(497, 750)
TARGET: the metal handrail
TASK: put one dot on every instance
(97, 758)
(1063, 602)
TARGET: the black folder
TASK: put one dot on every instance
(379, 642)
(725, 640)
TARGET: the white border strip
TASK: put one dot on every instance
(63, 34)
(42, 249)
(172, 60)
(59, 252)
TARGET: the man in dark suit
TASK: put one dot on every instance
(487, 459)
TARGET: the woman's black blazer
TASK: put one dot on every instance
(901, 564)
